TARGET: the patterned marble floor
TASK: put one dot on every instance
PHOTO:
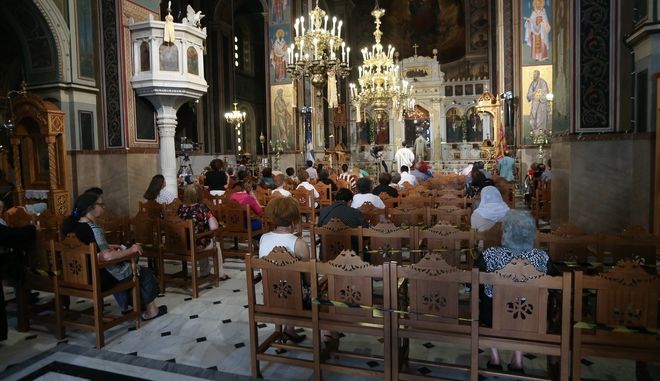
(212, 333)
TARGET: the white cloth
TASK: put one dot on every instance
(282, 191)
(165, 197)
(406, 177)
(404, 156)
(420, 146)
(269, 240)
(491, 207)
(360, 199)
(311, 171)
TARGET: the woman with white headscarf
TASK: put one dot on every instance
(491, 210)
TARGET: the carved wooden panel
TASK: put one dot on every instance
(519, 309)
(76, 268)
(282, 289)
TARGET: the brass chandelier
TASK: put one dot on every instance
(379, 78)
(319, 52)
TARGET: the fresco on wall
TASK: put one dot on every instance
(281, 105)
(85, 39)
(280, 39)
(193, 61)
(536, 28)
(536, 110)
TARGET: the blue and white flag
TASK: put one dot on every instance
(309, 144)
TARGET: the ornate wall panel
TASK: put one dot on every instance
(114, 133)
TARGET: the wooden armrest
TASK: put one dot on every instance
(132, 257)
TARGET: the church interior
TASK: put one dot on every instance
(392, 113)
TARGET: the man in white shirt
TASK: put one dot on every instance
(365, 195)
(404, 156)
(406, 177)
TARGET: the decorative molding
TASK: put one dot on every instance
(347, 260)
(280, 256)
(519, 270)
(611, 136)
(61, 35)
(112, 85)
(433, 264)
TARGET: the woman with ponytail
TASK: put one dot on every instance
(82, 222)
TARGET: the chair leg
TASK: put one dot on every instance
(98, 322)
(195, 274)
(59, 324)
(22, 307)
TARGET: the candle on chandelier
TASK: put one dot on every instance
(332, 48)
(296, 26)
(339, 29)
(302, 24)
(348, 56)
(343, 48)
(311, 21)
(334, 22)
(325, 22)
(315, 41)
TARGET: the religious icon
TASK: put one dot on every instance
(536, 94)
(537, 32)
(278, 53)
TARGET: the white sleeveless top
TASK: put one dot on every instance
(268, 241)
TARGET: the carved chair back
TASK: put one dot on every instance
(17, 217)
(335, 237)
(386, 242)
(409, 216)
(152, 208)
(372, 214)
(325, 193)
(634, 242)
(455, 243)
(450, 214)
(146, 232)
(114, 226)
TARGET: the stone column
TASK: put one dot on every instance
(166, 121)
(436, 144)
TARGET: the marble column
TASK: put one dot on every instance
(166, 121)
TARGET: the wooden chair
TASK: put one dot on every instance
(79, 274)
(49, 225)
(450, 214)
(236, 229)
(307, 209)
(343, 184)
(569, 248)
(181, 245)
(389, 201)
(145, 231)
(325, 193)
(17, 217)
(408, 216)
(38, 276)
(412, 202)
(372, 214)
(489, 238)
(172, 209)
(263, 195)
(634, 243)
(115, 227)
(541, 201)
(520, 304)
(435, 310)
(152, 208)
(616, 314)
(386, 242)
(336, 237)
(350, 283)
(456, 243)
(282, 304)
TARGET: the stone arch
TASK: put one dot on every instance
(60, 34)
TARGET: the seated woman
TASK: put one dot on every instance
(203, 220)
(518, 234)
(87, 208)
(491, 210)
(157, 191)
(267, 178)
(216, 179)
(241, 194)
(284, 212)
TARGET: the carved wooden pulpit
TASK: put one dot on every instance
(39, 152)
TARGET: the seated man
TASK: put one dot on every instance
(384, 186)
(406, 177)
(342, 210)
(365, 195)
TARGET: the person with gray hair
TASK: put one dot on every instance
(518, 235)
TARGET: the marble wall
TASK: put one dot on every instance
(123, 177)
(603, 185)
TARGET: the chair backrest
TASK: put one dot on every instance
(305, 199)
(282, 283)
(49, 225)
(451, 214)
(172, 208)
(76, 263)
(389, 201)
(325, 193)
(491, 237)
(115, 227)
(179, 235)
(342, 184)
(145, 231)
(408, 216)
(385, 242)
(568, 248)
(432, 295)
(262, 194)
(634, 242)
(372, 214)
(236, 218)
(17, 217)
(457, 244)
(350, 280)
(152, 208)
(627, 296)
(336, 237)
(520, 304)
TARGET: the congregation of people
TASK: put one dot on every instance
(482, 199)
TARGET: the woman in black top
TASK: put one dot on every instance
(216, 178)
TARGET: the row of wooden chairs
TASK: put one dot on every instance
(531, 312)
